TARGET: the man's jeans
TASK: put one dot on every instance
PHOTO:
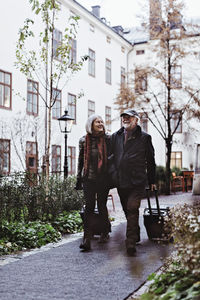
(130, 201)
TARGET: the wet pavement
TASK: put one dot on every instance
(62, 272)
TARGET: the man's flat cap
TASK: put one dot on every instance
(130, 112)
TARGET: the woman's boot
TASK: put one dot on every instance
(85, 245)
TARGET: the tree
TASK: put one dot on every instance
(160, 91)
(47, 58)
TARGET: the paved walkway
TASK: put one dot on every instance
(61, 272)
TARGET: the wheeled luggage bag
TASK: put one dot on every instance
(154, 219)
(95, 221)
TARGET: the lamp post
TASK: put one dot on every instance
(65, 123)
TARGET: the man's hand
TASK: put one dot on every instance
(153, 187)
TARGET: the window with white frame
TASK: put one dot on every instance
(92, 28)
(4, 156)
(176, 77)
(71, 160)
(140, 81)
(73, 51)
(176, 117)
(139, 52)
(91, 107)
(56, 159)
(31, 157)
(32, 97)
(123, 76)
(108, 118)
(176, 159)
(5, 89)
(108, 39)
(57, 40)
(56, 109)
(72, 106)
(108, 71)
(91, 63)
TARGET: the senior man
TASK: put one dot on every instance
(132, 168)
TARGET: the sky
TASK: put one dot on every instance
(124, 12)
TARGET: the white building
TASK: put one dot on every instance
(22, 116)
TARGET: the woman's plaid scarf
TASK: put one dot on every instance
(102, 153)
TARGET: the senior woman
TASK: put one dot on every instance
(92, 175)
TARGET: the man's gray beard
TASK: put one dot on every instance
(126, 126)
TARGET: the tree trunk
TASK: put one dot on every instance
(168, 170)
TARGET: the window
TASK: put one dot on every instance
(71, 160)
(31, 157)
(108, 71)
(123, 76)
(56, 109)
(175, 117)
(139, 52)
(108, 118)
(140, 81)
(32, 97)
(72, 106)
(92, 28)
(73, 51)
(4, 156)
(57, 40)
(144, 122)
(176, 160)
(56, 159)
(108, 39)
(91, 107)
(91, 63)
(5, 89)
(176, 77)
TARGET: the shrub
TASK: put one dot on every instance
(21, 200)
(160, 179)
(180, 277)
(19, 235)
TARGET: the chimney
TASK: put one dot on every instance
(155, 18)
(96, 11)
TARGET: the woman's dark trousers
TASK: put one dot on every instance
(95, 191)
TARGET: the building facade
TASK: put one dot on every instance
(112, 54)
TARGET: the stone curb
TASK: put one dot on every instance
(142, 288)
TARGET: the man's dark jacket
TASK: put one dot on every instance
(132, 165)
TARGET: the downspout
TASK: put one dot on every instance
(127, 62)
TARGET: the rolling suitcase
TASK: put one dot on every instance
(95, 221)
(154, 219)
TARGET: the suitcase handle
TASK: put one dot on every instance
(157, 202)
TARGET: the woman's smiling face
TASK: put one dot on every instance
(98, 125)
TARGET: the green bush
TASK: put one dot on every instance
(177, 171)
(160, 179)
(68, 222)
(15, 236)
(180, 277)
(19, 235)
(25, 200)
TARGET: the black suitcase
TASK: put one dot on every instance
(154, 219)
(95, 221)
